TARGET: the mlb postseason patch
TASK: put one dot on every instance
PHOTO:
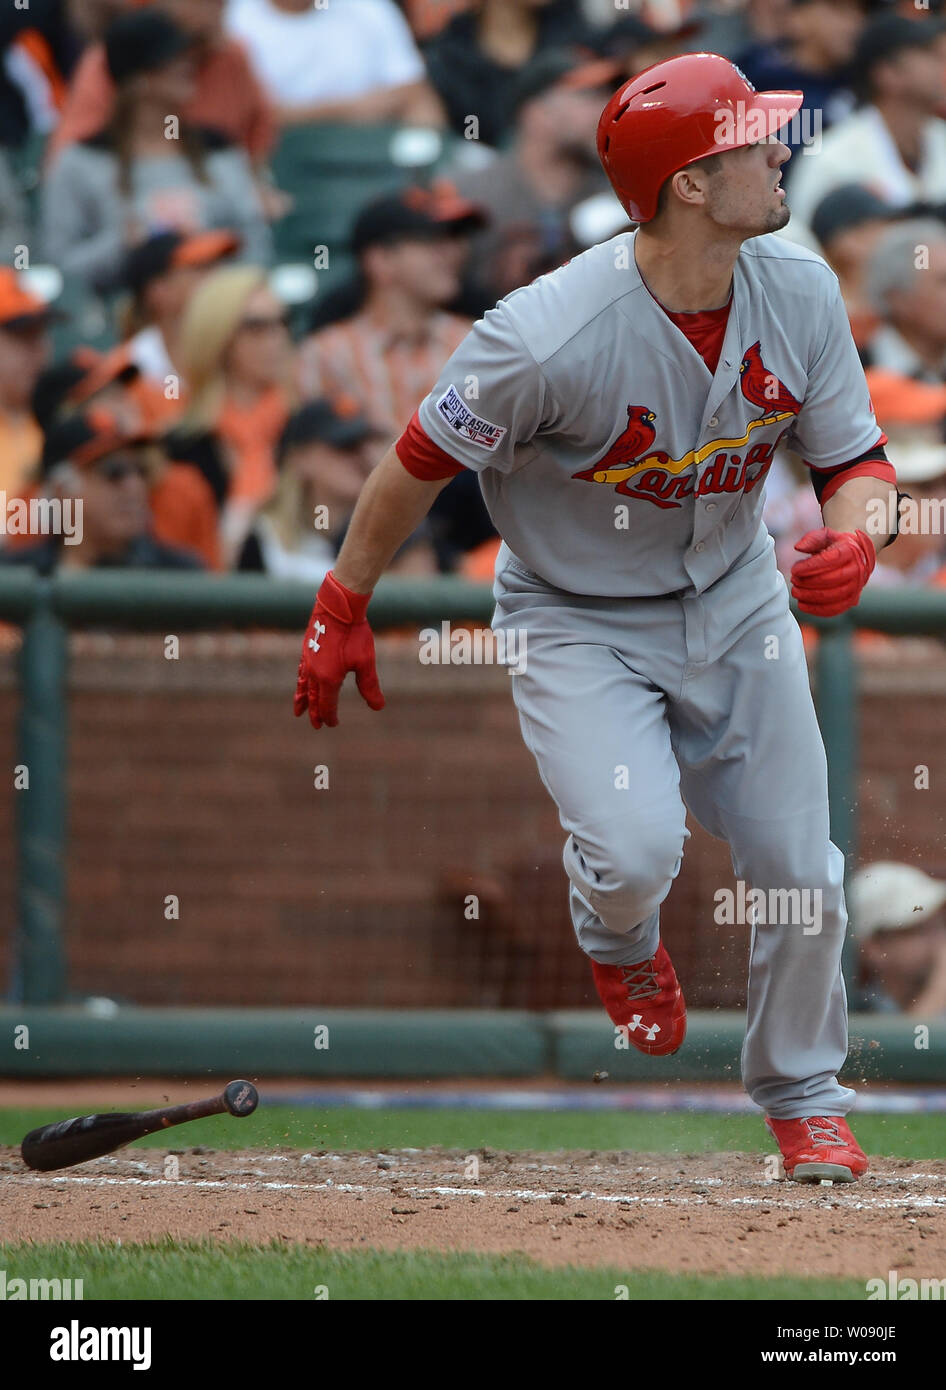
(472, 427)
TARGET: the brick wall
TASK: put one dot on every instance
(190, 778)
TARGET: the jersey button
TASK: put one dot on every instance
(714, 422)
(699, 547)
(711, 506)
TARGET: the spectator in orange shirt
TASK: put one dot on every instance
(237, 357)
(227, 97)
(24, 352)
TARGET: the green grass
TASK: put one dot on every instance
(207, 1270)
(203, 1270)
(902, 1136)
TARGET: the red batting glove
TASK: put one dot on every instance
(831, 579)
(337, 640)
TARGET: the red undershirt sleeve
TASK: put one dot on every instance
(422, 457)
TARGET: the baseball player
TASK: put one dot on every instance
(622, 413)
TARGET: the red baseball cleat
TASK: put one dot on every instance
(818, 1146)
(647, 1000)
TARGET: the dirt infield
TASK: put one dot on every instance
(713, 1212)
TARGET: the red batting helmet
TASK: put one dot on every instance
(677, 112)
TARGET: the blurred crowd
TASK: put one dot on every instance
(216, 398)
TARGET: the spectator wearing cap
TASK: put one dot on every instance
(813, 55)
(847, 225)
(111, 190)
(387, 354)
(227, 95)
(894, 143)
(409, 247)
(88, 377)
(323, 463)
(909, 294)
(95, 462)
(475, 62)
(550, 167)
(900, 930)
(182, 504)
(350, 62)
(237, 356)
(160, 275)
(24, 352)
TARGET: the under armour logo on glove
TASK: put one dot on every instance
(337, 640)
(651, 1029)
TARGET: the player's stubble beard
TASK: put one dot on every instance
(772, 220)
(779, 218)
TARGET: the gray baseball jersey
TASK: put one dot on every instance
(663, 670)
(612, 461)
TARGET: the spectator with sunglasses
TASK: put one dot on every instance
(183, 509)
(95, 462)
(237, 355)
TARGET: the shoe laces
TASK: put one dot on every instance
(640, 980)
(824, 1131)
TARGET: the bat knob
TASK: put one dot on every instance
(241, 1098)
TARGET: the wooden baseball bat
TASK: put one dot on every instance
(90, 1136)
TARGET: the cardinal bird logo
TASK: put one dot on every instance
(633, 441)
(762, 387)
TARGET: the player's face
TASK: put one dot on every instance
(745, 194)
